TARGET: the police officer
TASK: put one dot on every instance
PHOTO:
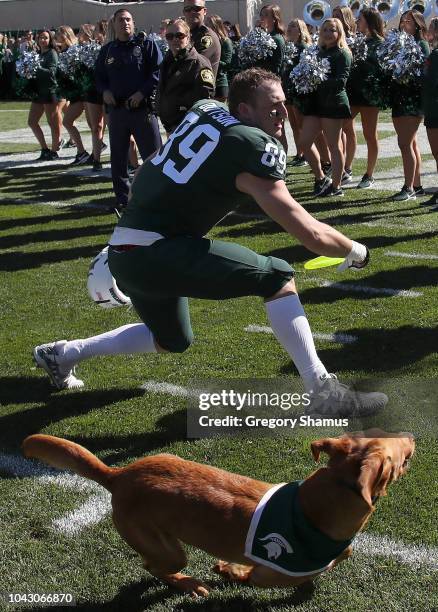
(205, 41)
(127, 73)
(185, 76)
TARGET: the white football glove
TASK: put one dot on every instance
(357, 258)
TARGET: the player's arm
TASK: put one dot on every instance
(274, 198)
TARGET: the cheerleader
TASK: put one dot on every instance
(298, 34)
(407, 113)
(328, 108)
(270, 20)
(94, 106)
(370, 24)
(349, 140)
(234, 35)
(74, 106)
(47, 100)
(430, 97)
(216, 24)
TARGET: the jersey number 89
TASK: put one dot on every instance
(209, 134)
(273, 157)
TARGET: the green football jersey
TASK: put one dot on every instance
(189, 185)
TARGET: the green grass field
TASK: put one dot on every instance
(45, 253)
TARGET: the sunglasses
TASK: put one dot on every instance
(177, 35)
(195, 9)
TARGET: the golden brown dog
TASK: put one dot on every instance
(161, 501)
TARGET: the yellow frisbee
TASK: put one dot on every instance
(322, 262)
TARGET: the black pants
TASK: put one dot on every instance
(122, 123)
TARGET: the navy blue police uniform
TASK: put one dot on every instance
(123, 68)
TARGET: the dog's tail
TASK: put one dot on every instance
(67, 455)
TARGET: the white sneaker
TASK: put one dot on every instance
(335, 399)
(47, 356)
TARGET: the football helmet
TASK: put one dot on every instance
(101, 286)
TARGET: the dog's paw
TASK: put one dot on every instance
(192, 586)
(232, 571)
(195, 588)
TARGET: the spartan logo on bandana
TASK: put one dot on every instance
(275, 544)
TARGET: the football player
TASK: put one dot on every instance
(160, 257)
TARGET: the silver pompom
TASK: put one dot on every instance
(69, 60)
(88, 53)
(27, 64)
(256, 46)
(310, 71)
(358, 48)
(400, 56)
(290, 53)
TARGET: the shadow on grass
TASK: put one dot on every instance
(401, 279)
(50, 407)
(135, 598)
(10, 262)
(168, 429)
(71, 215)
(54, 235)
(379, 350)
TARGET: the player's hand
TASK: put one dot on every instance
(357, 258)
(108, 98)
(134, 100)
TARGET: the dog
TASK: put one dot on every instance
(162, 501)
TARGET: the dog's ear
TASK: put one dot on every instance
(375, 473)
(331, 446)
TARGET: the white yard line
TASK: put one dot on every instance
(410, 255)
(353, 288)
(336, 337)
(91, 512)
(408, 554)
(35, 202)
(168, 389)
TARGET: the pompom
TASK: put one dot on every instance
(69, 60)
(358, 48)
(89, 53)
(28, 64)
(310, 71)
(400, 56)
(256, 46)
(291, 51)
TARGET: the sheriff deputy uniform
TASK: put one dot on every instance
(184, 80)
(206, 42)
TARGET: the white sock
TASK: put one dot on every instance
(125, 340)
(291, 328)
